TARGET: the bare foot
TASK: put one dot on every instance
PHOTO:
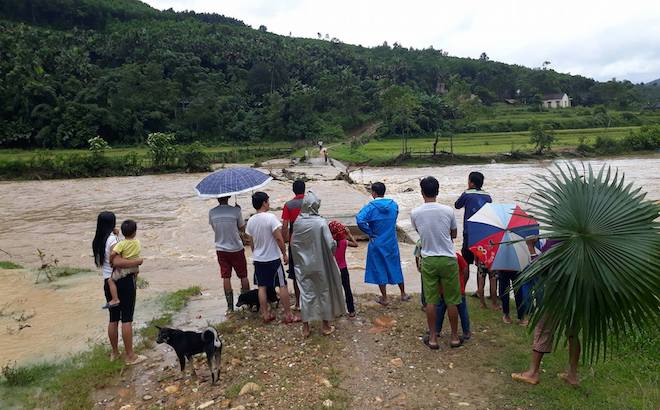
(382, 301)
(483, 306)
(506, 319)
(572, 380)
(328, 331)
(306, 331)
(525, 378)
(495, 306)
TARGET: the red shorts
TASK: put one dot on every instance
(229, 260)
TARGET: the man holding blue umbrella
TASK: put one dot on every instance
(227, 223)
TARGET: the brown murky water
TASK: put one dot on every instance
(59, 217)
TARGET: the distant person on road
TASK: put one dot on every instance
(317, 273)
(227, 223)
(472, 200)
(267, 247)
(377, 219)
(343, 237)
(290, 212)
(104, 242)
(436, 225)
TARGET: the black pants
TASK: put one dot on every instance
(348, 293)
(126, 293)
(506, 278)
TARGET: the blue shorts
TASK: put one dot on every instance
(269, 274)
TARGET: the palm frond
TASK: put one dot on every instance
(602, 280)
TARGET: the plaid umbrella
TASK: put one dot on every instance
(231, 181)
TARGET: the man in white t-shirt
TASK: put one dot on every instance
(267, 246)
(436, 225)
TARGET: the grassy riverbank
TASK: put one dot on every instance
(378, 361)
(359, 149)
(476, 144)
(69, 384)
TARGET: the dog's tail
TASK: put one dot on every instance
(210, 335)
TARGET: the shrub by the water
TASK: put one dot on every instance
(192, 158)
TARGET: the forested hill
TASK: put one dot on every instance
(74, 69)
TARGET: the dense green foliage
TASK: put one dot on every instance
(163, 156)
(74, 69)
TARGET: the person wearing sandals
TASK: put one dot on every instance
(436, 225)
(463, 274)
(317, 273)
(103, 244)
(377, 219)
(267, 246)
(343, 238)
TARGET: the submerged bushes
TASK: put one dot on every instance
(164, 157)
(646, 139)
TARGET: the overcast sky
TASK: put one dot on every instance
(598, 39)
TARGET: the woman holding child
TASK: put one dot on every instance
(103, 245)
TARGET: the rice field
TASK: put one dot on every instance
(472, 144)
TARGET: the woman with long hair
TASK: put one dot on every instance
(104, 241)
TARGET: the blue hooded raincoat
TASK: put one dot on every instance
(378, 220)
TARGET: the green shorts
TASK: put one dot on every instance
(441, 270)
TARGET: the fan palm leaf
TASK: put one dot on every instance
(601, 280)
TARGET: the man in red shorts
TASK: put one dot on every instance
(227, 221)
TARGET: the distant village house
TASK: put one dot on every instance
(559, 100)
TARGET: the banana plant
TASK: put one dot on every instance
(602, 280)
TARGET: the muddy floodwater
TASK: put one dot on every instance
(59, 217)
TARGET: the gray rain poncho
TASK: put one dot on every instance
(317, 274)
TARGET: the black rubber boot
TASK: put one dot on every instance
(230, 300)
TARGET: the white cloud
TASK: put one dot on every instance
(600, 39)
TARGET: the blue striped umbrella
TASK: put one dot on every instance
(231, 181)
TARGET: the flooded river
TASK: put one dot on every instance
(59, 217)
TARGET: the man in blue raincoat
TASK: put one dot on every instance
(378, 220)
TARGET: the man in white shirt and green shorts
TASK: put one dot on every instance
(436, 225)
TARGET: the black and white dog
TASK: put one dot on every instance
(186, 344)
(251, 298)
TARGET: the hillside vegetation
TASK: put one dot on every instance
(74, 69)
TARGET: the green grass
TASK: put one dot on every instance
(175, 301)
(143, 152)
(471, 144)
(64, 271)
(9, 265)
(628, 379)
(170, 303)
(69, 384)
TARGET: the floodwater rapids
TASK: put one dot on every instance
(59, 217)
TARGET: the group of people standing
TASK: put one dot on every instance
(316, 259)
(315, 255)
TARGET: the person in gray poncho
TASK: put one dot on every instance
(317, 274)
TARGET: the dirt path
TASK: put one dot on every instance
(374, 361)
